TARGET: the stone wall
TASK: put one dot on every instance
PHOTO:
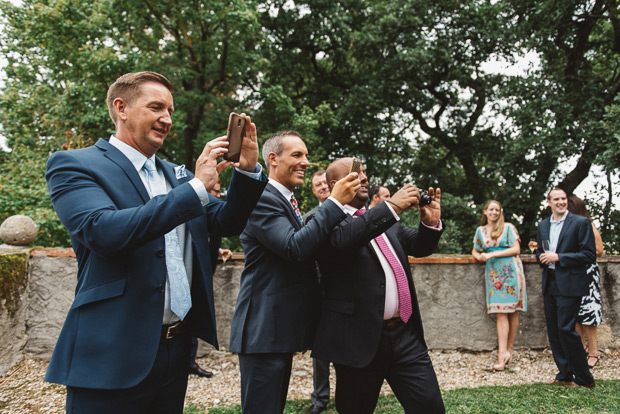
(13, 309)
(450, 290)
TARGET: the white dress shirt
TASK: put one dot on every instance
(555, 227)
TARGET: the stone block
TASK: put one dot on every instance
(52, 287)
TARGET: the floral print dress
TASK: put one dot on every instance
(505, 279)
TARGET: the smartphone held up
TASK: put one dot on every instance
(234, 136)
(356, 165)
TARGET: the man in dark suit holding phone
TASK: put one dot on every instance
(370, 326)
(277, 306)
(565, 247)
(139, 226)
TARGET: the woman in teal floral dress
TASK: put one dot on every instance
(497, 244)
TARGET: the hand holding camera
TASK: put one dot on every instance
(410, 197)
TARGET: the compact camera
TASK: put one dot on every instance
(425, 199)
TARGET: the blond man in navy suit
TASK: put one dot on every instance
(124, 346)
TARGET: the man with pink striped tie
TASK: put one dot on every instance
(370, 326)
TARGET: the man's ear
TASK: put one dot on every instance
(272, 159)
(120, 107)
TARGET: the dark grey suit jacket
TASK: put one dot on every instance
(354, 284)
(278, 303)
(306, 217)
(576, 249)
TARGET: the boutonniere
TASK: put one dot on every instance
(180, 171)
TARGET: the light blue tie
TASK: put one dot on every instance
(180, 297)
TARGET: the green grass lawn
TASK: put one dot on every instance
(520, 399)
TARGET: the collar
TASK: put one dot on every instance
(281, 188)
(552, 220)
(349, 209)
(136, 157)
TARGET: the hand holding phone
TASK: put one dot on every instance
(234, 136)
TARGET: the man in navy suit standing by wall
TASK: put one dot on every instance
(139, 226)
(565, 248)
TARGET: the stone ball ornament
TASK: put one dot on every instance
(18, 230)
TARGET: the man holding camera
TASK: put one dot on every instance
(370, 327)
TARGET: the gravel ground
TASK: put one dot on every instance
(22, 390)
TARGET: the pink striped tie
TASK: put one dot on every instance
(404, 296)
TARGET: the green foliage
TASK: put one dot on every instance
(461, 219)
(63, 55)
(403, 84)
(411, 94)
(520, 399)
(23, 190)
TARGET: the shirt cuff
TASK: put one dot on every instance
(436, 227)
(258, 171)
(396, 216)
(337, 203)
(200, 190)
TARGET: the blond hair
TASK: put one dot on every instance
(498, 229)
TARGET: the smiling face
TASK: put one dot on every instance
(492, 212)
(320, 187)
(558, 202)
(144, 123)
(289, 167)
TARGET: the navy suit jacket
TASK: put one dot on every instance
(576, 249)
(354, 284)
(112, 331)
(279, 297)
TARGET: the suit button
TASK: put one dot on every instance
(381, 311)
(382, 285)
(162, 288)
(160, 253)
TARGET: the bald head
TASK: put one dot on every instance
(339, 169)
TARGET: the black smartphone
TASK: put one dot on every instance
(234, 136)
(356, 165)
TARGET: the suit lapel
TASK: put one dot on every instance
(400, 253)
(117, 157)
(292, 217)
(169, 172)
(403, 258)
(568, 223)
(545, 229)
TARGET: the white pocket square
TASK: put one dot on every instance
(180, 171)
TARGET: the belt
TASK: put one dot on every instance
(170, 331)
(391, 324)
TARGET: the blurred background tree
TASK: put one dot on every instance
(407, 85)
